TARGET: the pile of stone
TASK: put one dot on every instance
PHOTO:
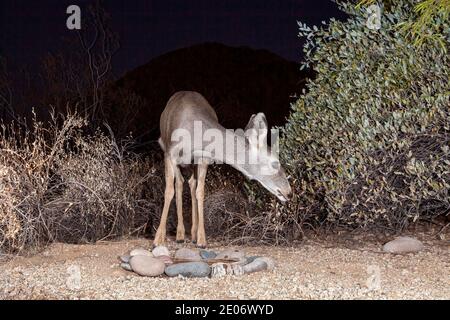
(193, 263)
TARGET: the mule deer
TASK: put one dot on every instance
(186, 110)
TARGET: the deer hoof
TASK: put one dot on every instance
(201, 246)
(180, 241)
(157, 244)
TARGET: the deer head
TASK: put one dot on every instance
(264, 165)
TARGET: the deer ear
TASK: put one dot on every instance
(256, 130)
(257, 121)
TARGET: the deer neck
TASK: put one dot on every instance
(233, 148)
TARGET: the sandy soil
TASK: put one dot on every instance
(313, 269)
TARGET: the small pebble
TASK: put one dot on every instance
(160, 251)
(147, 266)
(187, 254)
(140, 252)
(189, 269)
(207, 254)
(403, 245)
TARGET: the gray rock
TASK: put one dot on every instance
(187, 254)
(251, 259)
(269, 261)
(160, 251)
(140, 252)
(255, 266)
(147, 266)
(166, 259)
(126, 266)
(207, 254)
(189, 269)
(125, 258)
(231, 254)
(403, 245)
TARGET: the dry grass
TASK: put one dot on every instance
(59, 183)
(238, 211)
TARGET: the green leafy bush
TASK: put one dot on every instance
(368, 144)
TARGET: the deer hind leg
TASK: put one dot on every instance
(193, 188)
(200, 195)
(179, 200)
(169, 172)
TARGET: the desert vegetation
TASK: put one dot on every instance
(59, 183)
(367, 144)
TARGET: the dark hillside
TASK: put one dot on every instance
(236, 81)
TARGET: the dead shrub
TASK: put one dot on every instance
(58, 183)
(236, 212)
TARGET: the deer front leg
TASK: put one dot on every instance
(179, 201)
(193, 188)
(160, 236)
(200, 195)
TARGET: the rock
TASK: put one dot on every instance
(231, 254)
(125, 258)
(255, 266)
(251, 259)
(187, 254)
(189, 269)
(221, 269)
(269, 261)
(147, 266)
(403, 245)
(126, 266)
(235, 269)
(140, 252)
(166, 259)
(160, 251)
(218, 270)
(207, 254)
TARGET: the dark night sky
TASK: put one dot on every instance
(148, 28)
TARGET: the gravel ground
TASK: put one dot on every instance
(313, 269)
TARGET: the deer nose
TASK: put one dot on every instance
(284, 195)
(288, 194)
